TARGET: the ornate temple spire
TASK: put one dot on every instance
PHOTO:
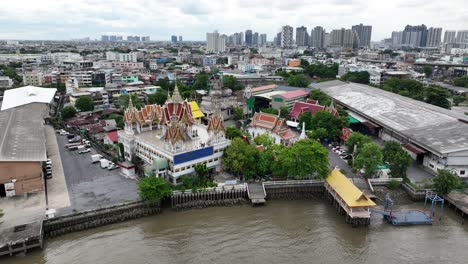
(176, 98)
(303, 133)
(130, 103)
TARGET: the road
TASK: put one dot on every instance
(89, 186)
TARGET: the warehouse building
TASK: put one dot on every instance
(435, 137)
(22, 139)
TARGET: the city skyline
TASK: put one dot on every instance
(36, 20)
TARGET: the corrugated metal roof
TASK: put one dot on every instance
(22, 133)
(26, 95)
(196, 112)
(352, 196)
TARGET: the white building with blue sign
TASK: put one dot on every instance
(169, 139)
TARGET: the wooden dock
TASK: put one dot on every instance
(459, 201)
(256, 192)
(21, 238)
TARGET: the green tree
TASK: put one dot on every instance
(356, 141)
(240, 158)
(202, 172)
(124, 99)
(201, 81)
(324, 119)
(232, 132)
(458, 99)
(238, 113)
(427, 70)
(357, 77)
(118, 120)
(232, 83)
(305, 158)
(165, 84)
(461, 81)
(264, 139)
(299, 80)
(398, 159)
(405, 87)
(320, 70)
(445, 181)
(153, 189)
(85, 103)
(284, 112)
(269, 111)
(318, 134)
(321, 97)
(265, 162)
(68, 112)
(158, 97)
(306, 118)
(369, 158)
(437, 96)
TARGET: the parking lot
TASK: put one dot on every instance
(89, 186)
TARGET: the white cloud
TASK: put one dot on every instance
(52, 19)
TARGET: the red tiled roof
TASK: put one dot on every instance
(311, 101)
(113, 136)
(301, 107)
(293, 94)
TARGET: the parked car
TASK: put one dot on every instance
(84, 151)
(48, 174)
(49, 162)
(347, 157)
(112, 166)
(70, 136)
(63, 132)
(74, 140)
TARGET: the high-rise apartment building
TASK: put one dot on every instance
(104, 38)
(415, 36)
(462, 36)
(317, 36)
(364, 34)
(397, 37)
(248, 37)
(302, 37)
(277, 39)
(336, 37)
(215, 42)
(255, 38)
(287, 36)
(180, 39)
(173, 38)
(434, 37)
(262, 39)
(449, 36)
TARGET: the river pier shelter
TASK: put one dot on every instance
(348, 199)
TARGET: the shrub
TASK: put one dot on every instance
(393, 185)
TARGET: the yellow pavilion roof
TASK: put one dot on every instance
(196, 112)
(352, 196)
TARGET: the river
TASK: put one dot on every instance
(280, 232)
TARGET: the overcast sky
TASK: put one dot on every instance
(67, 19)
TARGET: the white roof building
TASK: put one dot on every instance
(27, 95)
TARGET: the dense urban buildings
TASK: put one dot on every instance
(287, 36)
(364, 34)
(302, 36)
(215, 42)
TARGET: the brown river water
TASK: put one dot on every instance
(280, 232)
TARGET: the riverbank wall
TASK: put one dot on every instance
(94, 218)
(294, 190)
(228, 195)
(416, 195)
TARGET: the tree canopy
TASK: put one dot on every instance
(232, 132)
(357, 77)
(232, 83)
(356, 141)
(405, 87)
(240, 158)
(153, 189)
(319, 96)
(124, 100)
(306, 118)
(298, 80)
(398, 159)
(437, 96)
(320, 70)
(369, 158)
(238, 113)
(85, 103)
(68, 112)
(158, 97)
(202, 80)
(445, 181)
(332, 124)
(461, 81)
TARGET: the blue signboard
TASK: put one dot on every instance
(193, 155)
